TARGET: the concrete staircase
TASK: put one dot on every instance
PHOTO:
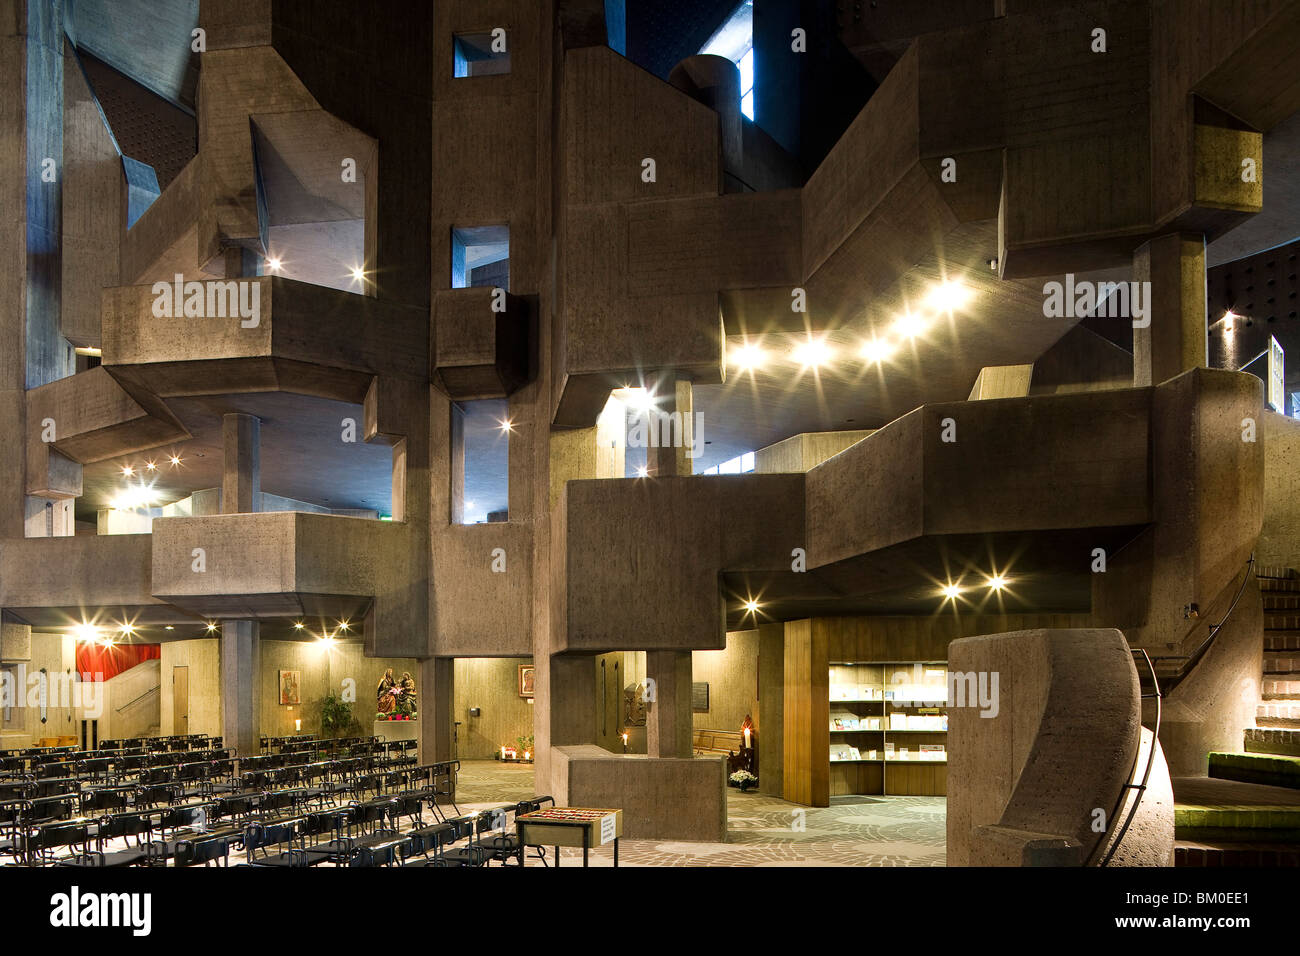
(1247, 813)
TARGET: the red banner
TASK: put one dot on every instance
(95, 662)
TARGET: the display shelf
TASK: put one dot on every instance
(898, 693)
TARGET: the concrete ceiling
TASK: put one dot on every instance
(303, 455)
(147, 40)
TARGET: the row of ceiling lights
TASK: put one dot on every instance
(950, 592)
(88, 633)
(815, 352)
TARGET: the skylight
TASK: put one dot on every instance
(735, 40)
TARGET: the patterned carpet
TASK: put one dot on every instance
(762, 831)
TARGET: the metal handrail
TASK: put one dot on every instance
(1195, 657)
(1141, 788)
(151, 690)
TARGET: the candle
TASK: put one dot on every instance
(503, 752)
(625, 743)
(746, 738)
(297, 725)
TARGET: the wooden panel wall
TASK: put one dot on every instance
(807, 716)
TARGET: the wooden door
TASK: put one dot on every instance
(180, 700)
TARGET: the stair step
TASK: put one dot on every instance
(1275, 572)
(1281, 662)
(1266, 740)
(1280, 689)
(1282, 640)
(1278, 713)
(1288, 601)
(1281, 620)
(1270, 770)
(1195, 853)
(1214, 809)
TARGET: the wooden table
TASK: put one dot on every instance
(569, 826)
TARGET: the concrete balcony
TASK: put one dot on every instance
(59, 581)
(271, 565)
(259, 334)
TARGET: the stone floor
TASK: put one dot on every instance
(763, 831)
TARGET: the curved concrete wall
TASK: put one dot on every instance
(1027, 777)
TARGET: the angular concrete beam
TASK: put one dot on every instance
(478, 351)
(625, 588)
(303, 338)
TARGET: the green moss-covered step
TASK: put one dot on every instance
(1275, 770)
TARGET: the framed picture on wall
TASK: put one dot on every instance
(527, 674)
(290, 682)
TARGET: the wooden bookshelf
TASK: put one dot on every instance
(887, 725)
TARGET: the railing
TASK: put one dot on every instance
(131, 703)
(1190, 661)
(1141, 788)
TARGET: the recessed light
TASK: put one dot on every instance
(751, 606)
(908, 325)
(947, 296)
(812, 353)
(748, 357)
(877, 350)
(997, 582)
(950, 591)
(642, 471)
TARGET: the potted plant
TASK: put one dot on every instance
(336, 718)
(742, 779)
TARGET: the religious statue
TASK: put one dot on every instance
(385, 702)
(396, 698)
(406, 696)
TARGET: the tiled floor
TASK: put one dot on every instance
(763, 831)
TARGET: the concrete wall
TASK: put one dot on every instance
(1025, 782)
(492, 685)
(1279, 539)
(131, 702)
(651, 792)
(55, 653)
(203, 658)
(732, 676)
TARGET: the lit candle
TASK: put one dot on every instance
(297, 725)
(625, 743)
(746, 738)
(503, 752)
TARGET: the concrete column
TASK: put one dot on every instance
(436, 687)
(1176, 339)
(771, 708)
(668, 715)
(241, 684)
(675, 397)
(241, 478)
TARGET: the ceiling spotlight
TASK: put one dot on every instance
(812, 353)
(128, 471)
(273, 264)
(151, 466)
(1229, 321)
(950, 591)
(169, 627)
(173, 460)
(877, 350)
(997, 582)
(358, 274)
(344, 625)
(947, 296)
(127, 629)
(211, 627)
(298, 625)
(639, 399)
(751, 606)
(748, 357)
(908, 325)
(507, 425)
(642, 471)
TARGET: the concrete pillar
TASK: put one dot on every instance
(668, 715)
(436, 688)
(675, 398)
(1176, 339)
(241, 684)
(771, 708)
(241, 478)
